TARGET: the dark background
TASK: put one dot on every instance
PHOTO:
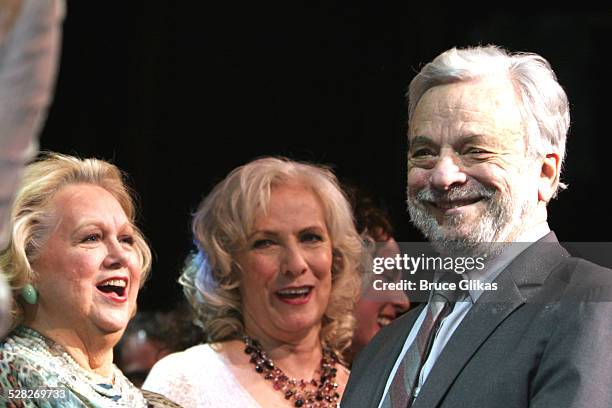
(178, 94)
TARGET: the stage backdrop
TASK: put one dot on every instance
(178, 94)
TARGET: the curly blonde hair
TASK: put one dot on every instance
(224, 220)
(32, 214)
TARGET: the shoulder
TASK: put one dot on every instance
(591, 273)
(184, 372)
(585, 280)
(578, 340)
(195, 377)
(21, 371)
(575, 298)
(580, 313)
(192, 354)
(183, 363)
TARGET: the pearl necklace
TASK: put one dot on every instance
(309, 394)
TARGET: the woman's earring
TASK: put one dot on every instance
(29, 294)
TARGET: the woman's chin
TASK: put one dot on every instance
(113, 321)
(300, 324)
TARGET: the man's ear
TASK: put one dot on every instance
(549, 177)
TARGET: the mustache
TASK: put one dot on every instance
(473, 192)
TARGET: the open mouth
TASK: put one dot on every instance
(114, 287)
(295, 295)
(448, 205)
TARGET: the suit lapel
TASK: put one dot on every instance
(515, 284)
(478, 324)
(368, 391)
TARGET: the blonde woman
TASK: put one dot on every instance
(273, 285)
(75, 263)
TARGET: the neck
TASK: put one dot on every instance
(540, 214)
(91, 351)
(299, 357)
(533, 221)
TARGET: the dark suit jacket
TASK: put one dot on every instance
(543, 339)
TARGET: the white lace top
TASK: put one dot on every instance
(198, 378)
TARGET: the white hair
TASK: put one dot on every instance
(544, 106)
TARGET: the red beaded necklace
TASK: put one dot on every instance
(322, 393)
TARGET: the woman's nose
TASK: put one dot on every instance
(117, 256)
(294, 262)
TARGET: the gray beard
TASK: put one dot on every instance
(499, 224)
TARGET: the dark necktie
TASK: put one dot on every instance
(401, 391)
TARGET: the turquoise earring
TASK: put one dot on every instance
(29, 294)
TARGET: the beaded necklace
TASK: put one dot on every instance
(322, 393)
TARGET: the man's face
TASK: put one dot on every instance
(469, 179)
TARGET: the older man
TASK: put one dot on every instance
(487, 134)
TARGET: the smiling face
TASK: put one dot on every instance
(286, 266)
(468, 176)
(88, 270)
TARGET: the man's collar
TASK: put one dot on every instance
(495, 266)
